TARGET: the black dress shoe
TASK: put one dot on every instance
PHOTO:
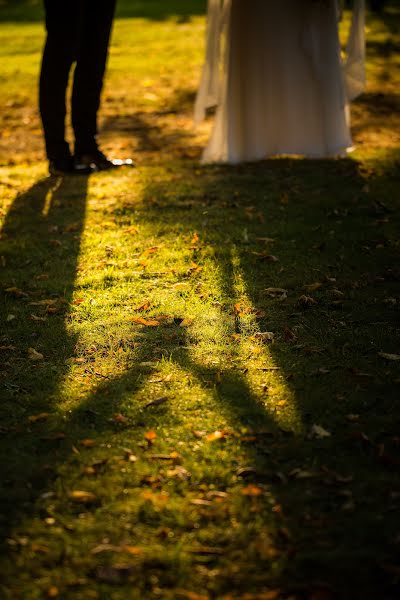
(66, 166)
(97, 161)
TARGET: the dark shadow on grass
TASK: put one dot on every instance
(40, 243)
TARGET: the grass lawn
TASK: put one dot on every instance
(199, 366)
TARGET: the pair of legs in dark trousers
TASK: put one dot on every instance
(78, 31)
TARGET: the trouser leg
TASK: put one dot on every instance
(90, 68)
(59, 54)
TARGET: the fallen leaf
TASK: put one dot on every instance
(265, 336)
(87, 443)
(188, 595)
(276, 293)
(144, 306)
(312, 287)
(40, 417)
(145, 322)
(34, 354)
(319, 432)
(302, 474)
(179, 472)
(53, 592)
(216, 435)
(388, 356)
(195, 239)
(252, 491)
(38, 319)
(306, 301)
(150, 437)
(78, 301)
(131, 230)
(82, 497)
(16, 292)
(119, 418)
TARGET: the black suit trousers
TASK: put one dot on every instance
(78, 31)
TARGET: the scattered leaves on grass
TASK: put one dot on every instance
(82, 497)
(34, 354)
(39, 417)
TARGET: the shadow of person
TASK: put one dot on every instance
(40, 246)
(240, 214)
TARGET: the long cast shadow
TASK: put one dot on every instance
(40, 245)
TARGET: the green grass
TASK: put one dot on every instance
(269, 509)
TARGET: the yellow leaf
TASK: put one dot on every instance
(34, 354)
(82, 497)
(217, 435)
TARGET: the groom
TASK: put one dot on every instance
(78, 31)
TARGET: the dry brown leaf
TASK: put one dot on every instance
(145, 322)
(144, 306)
(195, 239)
(34, 354)
(40, 417)
(78, 301)
(252, 491)
(87, 443)
(319, 432)
(53, 592)
(276, 292)
(265, 336)
(389, 356)
(119, 418)
(36, 318)
(312, 287)
(150, 437)
(131, 230)
(306, 301)
(188, 595)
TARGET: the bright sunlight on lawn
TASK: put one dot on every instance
(199, 365)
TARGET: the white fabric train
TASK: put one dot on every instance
(274, 71)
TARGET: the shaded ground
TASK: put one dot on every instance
(267, 465)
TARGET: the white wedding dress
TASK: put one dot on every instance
(274, 71)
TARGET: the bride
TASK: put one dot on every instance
(281, 86)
